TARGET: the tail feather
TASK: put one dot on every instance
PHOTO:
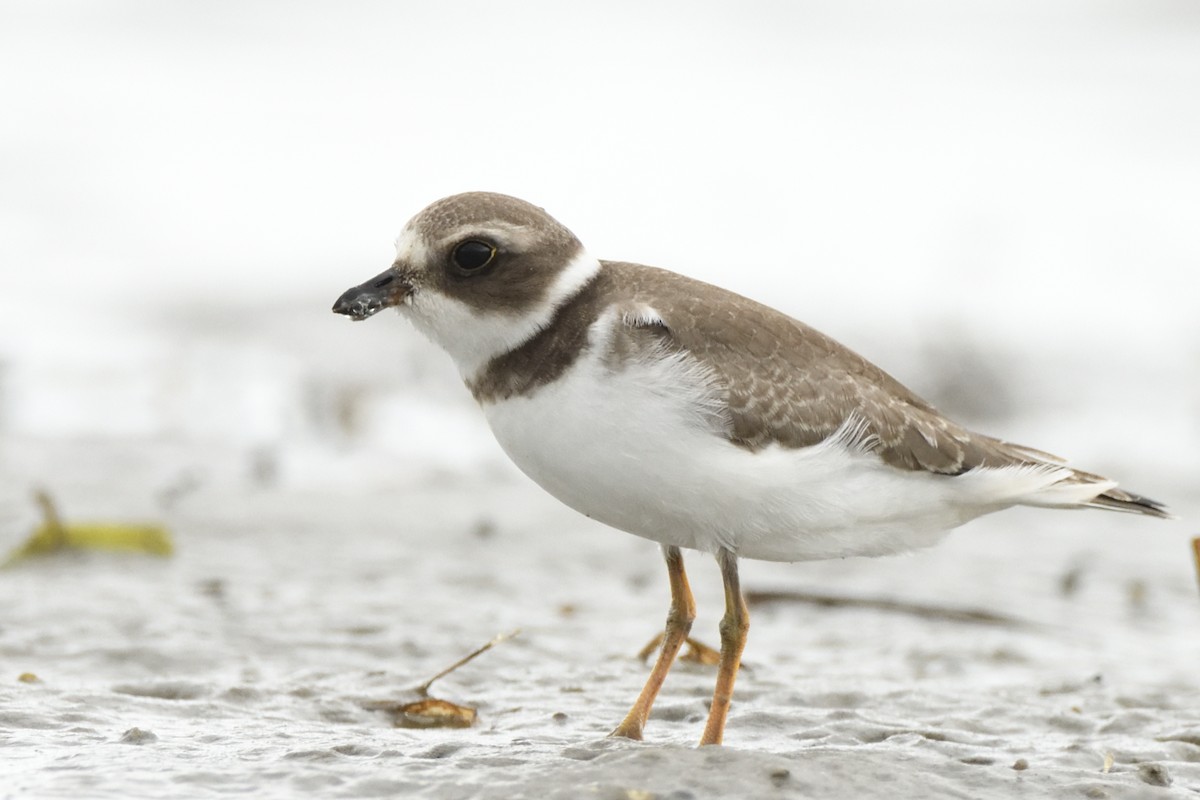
(1118, 500)
(1080, 489)
(1076, 488)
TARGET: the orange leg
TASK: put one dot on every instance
(735, 625)
(679, 623)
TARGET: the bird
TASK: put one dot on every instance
(689, 415)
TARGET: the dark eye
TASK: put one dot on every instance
(473, 255)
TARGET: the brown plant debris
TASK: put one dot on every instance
(696, 652)
(1196, 554)
(431, 712)
(966, 615)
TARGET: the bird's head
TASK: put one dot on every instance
(478, 273)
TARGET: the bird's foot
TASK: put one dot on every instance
(628, 729)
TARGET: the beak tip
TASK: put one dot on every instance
(357, 306)
(368, 299)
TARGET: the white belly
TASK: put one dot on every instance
(630, 448)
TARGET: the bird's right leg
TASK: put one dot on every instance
(679, 624)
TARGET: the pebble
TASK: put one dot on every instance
(138, 736)
(1154, 774)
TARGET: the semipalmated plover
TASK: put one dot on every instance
(692, 416)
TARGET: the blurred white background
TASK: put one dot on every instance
(998, 202)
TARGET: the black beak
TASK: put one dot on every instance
(365, 300)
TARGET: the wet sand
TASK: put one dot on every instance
(242, 665)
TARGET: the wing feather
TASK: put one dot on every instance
(787, 384)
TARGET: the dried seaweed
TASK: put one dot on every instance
(431, 712)
(55, 536)
(696, 652)
(964, 615)
(1196, 554)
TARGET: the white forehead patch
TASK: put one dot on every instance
(411, 247)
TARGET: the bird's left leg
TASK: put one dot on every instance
(735, 625)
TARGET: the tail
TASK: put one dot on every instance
(1077, 489)
(1117, 500)
(1073, 488)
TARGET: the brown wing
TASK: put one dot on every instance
(788, 384)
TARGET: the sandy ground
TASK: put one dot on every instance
(995, 202)
(244, 661)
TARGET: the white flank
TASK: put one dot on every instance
(639, 448)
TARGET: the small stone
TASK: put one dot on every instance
(1137, 592)
(138, 736)
(28, 677)
(780, 776)
(617, 793)
(1154, 774)
(559, 717)
(1096, 792)
(1068, 584)
(1020, 765)
(484, 528)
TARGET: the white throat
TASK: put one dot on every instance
(474, 337)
